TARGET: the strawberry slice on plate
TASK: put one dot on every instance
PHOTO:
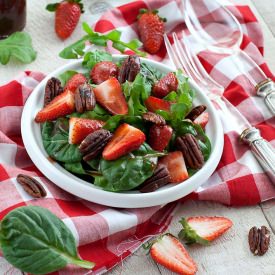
(202, 119)
(159, 136)
(169, 252)
(110, 96)
(165, 85)
(175, 164)
(125, 140)
(80, 128)
(75, 81)
(103, 71)
(153, 104)
(61, 105)
(203, 229)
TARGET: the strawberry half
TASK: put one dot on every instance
(61, 105)
(125, 140)
(80, 128)
(202, 119)
(165, 85)
(153, 104)
(75, 81)
(110, 96)
(169, 252)
(203, 229)
(159, 136)
(103, 71)
(151, 30)
(175, 164)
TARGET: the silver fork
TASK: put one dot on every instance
(181, 55)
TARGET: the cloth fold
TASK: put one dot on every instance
(107, 235)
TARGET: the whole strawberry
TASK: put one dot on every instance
(67, 14)
(151, 30)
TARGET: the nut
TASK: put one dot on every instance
(129, 69)
(154, 118)
(191, 151)
(84, 98)
(53, 88)
(31, 186)
(94, 144)
(195, 112)
(158, 179)
(259, 239)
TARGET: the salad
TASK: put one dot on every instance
(124, 125)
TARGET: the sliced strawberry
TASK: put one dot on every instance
(175, 164)
(126, 139)
(61, 105)
(109, 94)
(165, 85)
(159, 136)
(103, 71)
(75, 81)
(203, 229)
(169, 252)
(202, 119)
(153, 104)
(80, 128)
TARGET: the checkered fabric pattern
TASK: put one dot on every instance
(107, 235)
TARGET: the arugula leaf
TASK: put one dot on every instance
(127, 172)
(91, 58)
(19, 46)
(64, 77)
(151, 74)
(77, 49)
(36, 241)
(55, 140)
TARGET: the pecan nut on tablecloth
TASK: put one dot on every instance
(190, 148)
(158, 179)
(94, 144)
(31, 186)
(259, 239)
(129, 69)
(53, 88)
(84, 98)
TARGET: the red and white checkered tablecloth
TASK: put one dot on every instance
(107, 235)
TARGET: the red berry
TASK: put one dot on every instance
(202, 119)
(165, 85)
(75, 81)
(159, 136)
(103, 71)
(153, 104)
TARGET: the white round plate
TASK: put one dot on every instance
(132, 199)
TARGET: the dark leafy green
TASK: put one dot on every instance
(203, 141)
(36, 241)
(92, 58)
(151, 74)
(75, 167)
(19, 46)
(55, 140)
(64, 77)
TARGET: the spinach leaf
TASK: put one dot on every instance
(36, 241)
(127, 172)
(64, 77)
(91, 58)
(75, 167)
(203, 142)
(55, 140)
(151, 74)
(19, 46)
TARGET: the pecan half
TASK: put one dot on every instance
(195, 112)
(53, 88)
(84, 98)
(129, 69)
(94, 144)
(158, 179)
(154, 118)
(31, 186)
(259, 239)
(190, 148)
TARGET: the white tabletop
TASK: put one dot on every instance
(228, 255)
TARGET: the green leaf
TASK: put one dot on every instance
(151, 74)
(75, 167)
(127, 172)
(52, 7)
(203, 141)
(120, 47)
(36, 241)
(189, 234)
(19, 46)
(184, 127)
(114, 35)
(87, 28)
(92, 58)
(64, 77)
(55, 140)
(74, 50)
(98, 40)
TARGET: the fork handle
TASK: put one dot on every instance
(262, 150)
(266, 89)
